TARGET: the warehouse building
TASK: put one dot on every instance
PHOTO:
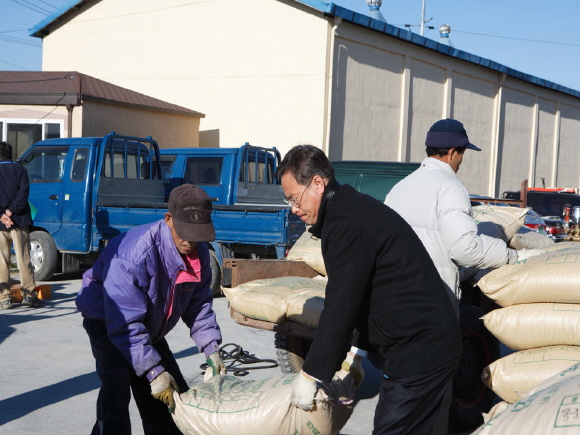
(283, 72)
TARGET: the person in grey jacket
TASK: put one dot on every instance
(141, 285)
(445, 224)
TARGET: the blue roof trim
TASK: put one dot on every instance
(414, 38)
(37, 30)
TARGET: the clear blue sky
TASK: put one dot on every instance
(537, 37)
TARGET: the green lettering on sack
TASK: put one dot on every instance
(312, 428)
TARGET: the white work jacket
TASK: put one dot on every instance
(437, 206)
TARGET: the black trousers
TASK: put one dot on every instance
(118, 380)
(417, 405)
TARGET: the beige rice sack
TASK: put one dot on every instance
(528, 326)
(499, 221)
(495, 410)
(552, 380)
(226, 405)
(305, 308)
(267, 299)
(307, 248)
(550, 277)
(563, 246)
(514, 375)
(552, 408)
(530, 240)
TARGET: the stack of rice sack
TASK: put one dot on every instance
(298, 299)
(539, 319)
(552, 407)
(227, 405)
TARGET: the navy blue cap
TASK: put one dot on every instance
(448, 133)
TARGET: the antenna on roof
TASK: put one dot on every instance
(423, 21)
(422, 24)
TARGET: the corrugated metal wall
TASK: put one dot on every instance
(387, 93)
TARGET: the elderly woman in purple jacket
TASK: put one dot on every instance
(142, 284)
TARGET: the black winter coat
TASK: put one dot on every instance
(14, 193)
(382, 282)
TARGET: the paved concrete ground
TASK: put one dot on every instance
(48, 383)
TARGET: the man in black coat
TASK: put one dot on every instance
(15, 218)
(381, 282)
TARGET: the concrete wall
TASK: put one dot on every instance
(386, 93)
(170, 131)
(568, 162)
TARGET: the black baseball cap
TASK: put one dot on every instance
(191, 207)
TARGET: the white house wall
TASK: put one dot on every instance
(255, 68)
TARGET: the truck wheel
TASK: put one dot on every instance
(291, 352)
(216, 274)
(470, 395)
(43, 255)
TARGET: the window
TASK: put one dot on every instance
(51, 131)
(20, 133)
(45, 163)
(129, 160)
(79, 167)
(21, 136)
(203, 170)
(167, 163)
(257, 167)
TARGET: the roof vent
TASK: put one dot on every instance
(375, 13)
(444, 32)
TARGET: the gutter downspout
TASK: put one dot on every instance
(69, 109)
(329, 77)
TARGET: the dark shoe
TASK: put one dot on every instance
(32, 302)
(6, 304)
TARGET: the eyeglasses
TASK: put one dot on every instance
(296, 202)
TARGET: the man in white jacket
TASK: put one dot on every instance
(445, 224)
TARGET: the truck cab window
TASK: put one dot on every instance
(45, 164)
(79, 165)
(203, 171)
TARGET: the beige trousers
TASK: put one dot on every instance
(21, 240)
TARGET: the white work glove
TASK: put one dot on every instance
(524, 254)
(304, 389)
(353, 365)
(216, 364)
(162, 388)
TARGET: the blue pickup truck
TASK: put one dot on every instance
(88, 190)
